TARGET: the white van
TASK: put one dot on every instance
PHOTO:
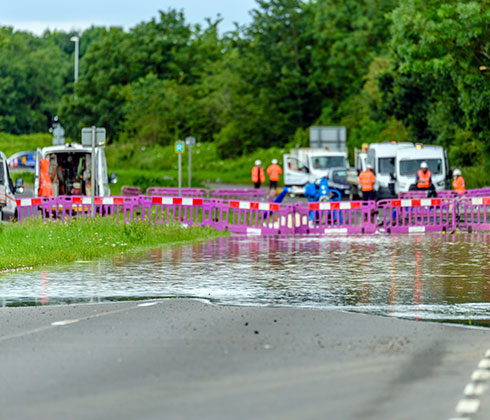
(381, 156)
(408, 163)
(305, 165)
(8, 205)
(70, 170)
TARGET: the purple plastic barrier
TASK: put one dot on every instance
(347, 217)
(184, 210)
(130, 191)
(477, 192)
(474, 213)
(416, 216)
(174, 192)
(44, 207)
(253, 218)
(418, 194)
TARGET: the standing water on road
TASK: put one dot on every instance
(430, 277)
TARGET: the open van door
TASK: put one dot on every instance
(295, 171)
(37, 172)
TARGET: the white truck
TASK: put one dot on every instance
(327, 150)
(70, 170)
(408, 162)
(8, 205)
(381, 156)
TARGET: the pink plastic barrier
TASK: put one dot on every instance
(416, 216)
(477, 192)
(418, 194)
(36, 207)
(184, 210)
(474, 213)
(348, 217)
(247, 194)
(253, 218)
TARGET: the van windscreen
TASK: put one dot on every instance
(410, 167)
(386, 166)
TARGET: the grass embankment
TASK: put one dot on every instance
(35, 242)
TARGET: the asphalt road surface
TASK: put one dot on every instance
(184, 359)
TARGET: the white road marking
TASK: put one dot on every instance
(475, 389)
(468, 406)
(480, 375)
(148, 304)
(487, 354)
(484, 364)
(64, 322)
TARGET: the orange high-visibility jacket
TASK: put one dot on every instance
(458, 185)
(367, 180)
(423, 179)
(45, 187)
(274, 171)
(258, 173)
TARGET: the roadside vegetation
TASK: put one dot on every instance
(34, 243)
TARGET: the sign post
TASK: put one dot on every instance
(180, 149)
(190, 141)
(93, 137)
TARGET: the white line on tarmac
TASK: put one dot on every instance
(64, 322)
(148, 304)
(473, 390)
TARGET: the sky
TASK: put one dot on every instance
(38, 15)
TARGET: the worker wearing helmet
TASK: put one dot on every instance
(367, 178)
(458, 182)
(274, 172)
(423, 180)
(258, 175)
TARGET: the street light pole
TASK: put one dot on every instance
(76, 40)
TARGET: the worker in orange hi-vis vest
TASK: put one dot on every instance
(423, 180)
(258, 175)
(367, 180)
(274, 172)
(458, 182)
(45, 187)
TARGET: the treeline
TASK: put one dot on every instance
(387, 69)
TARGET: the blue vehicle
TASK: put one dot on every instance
(22, 160)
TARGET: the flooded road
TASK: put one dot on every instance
(431, 277)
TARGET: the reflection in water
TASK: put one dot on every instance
(420, 277)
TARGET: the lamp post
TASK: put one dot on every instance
(76, 39)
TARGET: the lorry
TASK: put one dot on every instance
(8, 205)
(327, 150)
(408, 161)
(70, 168)
(381, 157)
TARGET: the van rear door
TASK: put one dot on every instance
(38, 170)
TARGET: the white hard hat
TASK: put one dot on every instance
(423, 165)
(257, 162)
(274, 161)
(457, 172)
(368, 166)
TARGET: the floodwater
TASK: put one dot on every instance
(439, 277)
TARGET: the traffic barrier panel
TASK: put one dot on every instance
(420, 194)
(416, 216)
(337, 217)
(245, 194)
(253, 218)
(44, 207)
(174, 192)
(474, 213)
(184, 210)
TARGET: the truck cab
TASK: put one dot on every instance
(408, 163)
(8, 205)
(381, 156)
(70, 170)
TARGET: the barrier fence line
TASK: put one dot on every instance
(255, 217)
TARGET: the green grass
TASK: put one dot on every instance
(10, 143)
(35, 242)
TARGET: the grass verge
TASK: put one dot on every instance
(34, 243)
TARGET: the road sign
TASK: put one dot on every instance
(87, 137)
(190, 141)
(179, 147)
